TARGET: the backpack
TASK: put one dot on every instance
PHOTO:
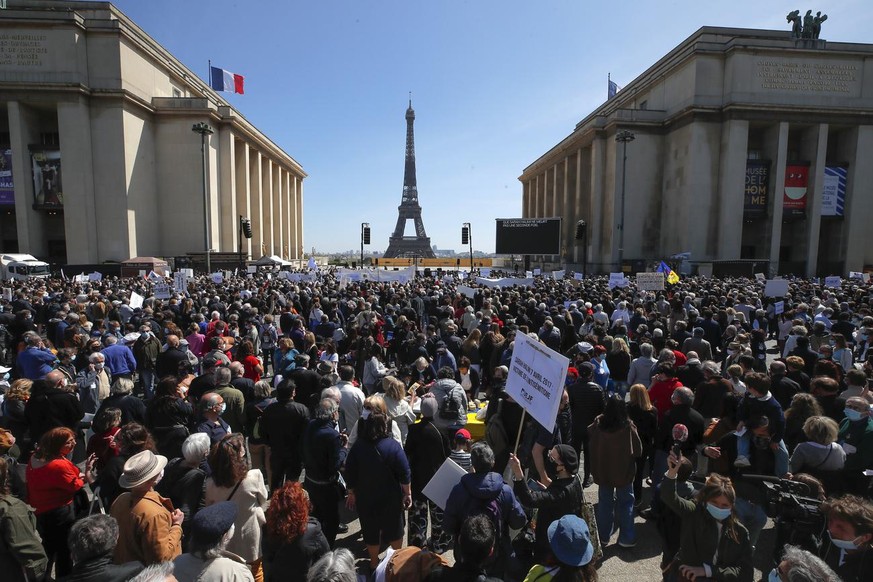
(449, 407)
(412, 564)
(491, 509)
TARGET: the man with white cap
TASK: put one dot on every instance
(150, 530)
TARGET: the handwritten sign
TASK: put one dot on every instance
(650, 281)
(536, 379)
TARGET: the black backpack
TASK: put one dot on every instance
(450, 407)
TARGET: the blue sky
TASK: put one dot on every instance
(494, 85)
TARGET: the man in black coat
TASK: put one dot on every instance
(782, 387)
(92, 541)
(282, 427)
(681, 413)
(52, 404)
(324, 452)
(167, 362)
(307, 381)
(587, 402)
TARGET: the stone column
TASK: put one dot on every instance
(228, 215)
(731, 188)
(289, 228)
(80, 218)
(300, 241)
(577, 207)
(267, 203)
(277, 209)
(243, 199)
(258, 240)
(818, 145)
(595, 217)
(23, 131)
(859, 203)
(568, 223)
(777, 148)
(525, 198)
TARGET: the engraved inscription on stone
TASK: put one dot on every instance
(22, 50)
(783, 75)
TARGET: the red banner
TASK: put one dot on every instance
(796, 180)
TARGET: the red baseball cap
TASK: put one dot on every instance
(463, 434)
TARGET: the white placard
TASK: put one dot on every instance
(95, 276)
(142, 273)
(779, 307)
(578, 276)
(466, 291)
(536, 379)
(252, 269)
(7, 293)
(776, 288)
(188, 273)
(617, 280)
(760, 276)
(537, 272)
(217, 278)
(81, 278)
(180, 282)
(443, 481)
(162, 291)
(834, 282)
(485, 272)
(529, 274)
(856, 275)
(650, 281)
(507, 282)
(136, 300)
(557, 275)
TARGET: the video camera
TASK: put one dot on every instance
(789, 501)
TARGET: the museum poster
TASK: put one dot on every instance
(7, 187)
(47, 184)
(833, 193)
(757, 184)
(796, 180)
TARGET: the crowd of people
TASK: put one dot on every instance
(231, 432)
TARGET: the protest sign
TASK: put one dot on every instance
(485, 272)
(95, 276)
(466, 291)
(776, 288)
(217, 278)
(252, 269)
(578, 276)
(136, 300)
(162, 291)
(7, 293)
(617, 280)
(443, 481)
(536, 379)
(558, 275)
(834, 282)
(779, 307)
(760, 277)
(537, 272)
(650, 281)
(507, 282)
(180, 282)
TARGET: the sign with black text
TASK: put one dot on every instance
(536, 379)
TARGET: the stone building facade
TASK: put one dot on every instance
(99, 160)
(748, 145)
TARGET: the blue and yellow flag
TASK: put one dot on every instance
(672, 277)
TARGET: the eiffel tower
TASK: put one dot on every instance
(409, 246)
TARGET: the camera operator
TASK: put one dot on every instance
(848, 549)
(856, 437)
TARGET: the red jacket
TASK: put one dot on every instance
(660, 393)
(52, 485)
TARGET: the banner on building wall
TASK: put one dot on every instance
(833, 193)
(7, 186)
(48, 187)
(796, 186)
(757, 186)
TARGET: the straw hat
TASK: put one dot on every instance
(141, 468)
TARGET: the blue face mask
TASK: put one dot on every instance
(843, 544)
(853, 415)
(717, 512)
(774, 576)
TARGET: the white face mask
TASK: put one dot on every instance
(365, 414)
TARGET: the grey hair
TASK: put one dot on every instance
(155, 573)
(326, 409)
(666, 355)
(332, 392)
(683, 395)
(222, 375)
(122, 386)
(482, 457)
(196, 447)
(335, 566)
(92, 536)
(646, 350)
(31, 338)
(110, 340)
(96, 356)
(806, 567)
(263, 389)
(712, 367)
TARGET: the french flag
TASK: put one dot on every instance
(222, 80)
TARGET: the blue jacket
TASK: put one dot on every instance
(476, 490)
(751, 407)
(34, 363)
(119, 359)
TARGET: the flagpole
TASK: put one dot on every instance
(209, 74)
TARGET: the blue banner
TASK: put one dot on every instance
(833, 194)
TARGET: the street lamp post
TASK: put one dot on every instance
(365, 226)
(204, 130)
(470, 242)
(623, 137)
(582, 235)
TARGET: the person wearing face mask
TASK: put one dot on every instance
(93, 383)
(856, 438)
(601, 369)
(149, 528)
(713, 543)
(36, 360)
(208, 558)
(564, 494)
(211, 408)
(848, 546)
(800, 566)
